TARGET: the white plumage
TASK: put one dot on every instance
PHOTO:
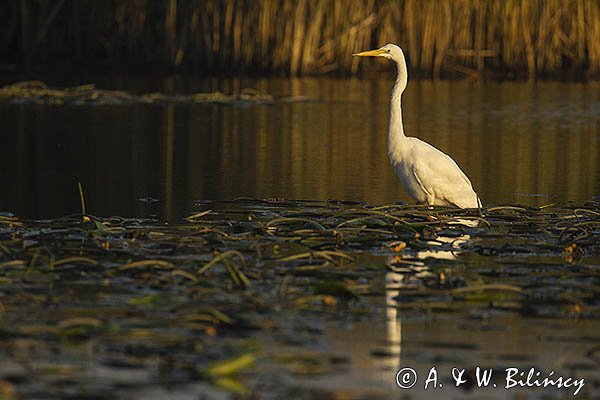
(428, 175)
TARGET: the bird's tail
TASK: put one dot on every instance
(479, 205)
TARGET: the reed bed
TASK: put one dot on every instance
(512, 37)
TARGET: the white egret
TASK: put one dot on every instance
(428, 175)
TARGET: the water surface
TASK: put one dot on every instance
(518, 142)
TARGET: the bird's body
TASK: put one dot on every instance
(428, 175)
(431, 176)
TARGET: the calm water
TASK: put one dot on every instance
(518, 142)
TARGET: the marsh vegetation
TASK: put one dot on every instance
(510, 38)
(247, 297)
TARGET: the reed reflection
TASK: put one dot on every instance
(519, 143)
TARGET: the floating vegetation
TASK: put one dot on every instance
(37, 92)
(188, 302)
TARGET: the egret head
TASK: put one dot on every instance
(389, 51)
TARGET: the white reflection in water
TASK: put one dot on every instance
(408, 273)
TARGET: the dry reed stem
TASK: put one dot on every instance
(310, 36)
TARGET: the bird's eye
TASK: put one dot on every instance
(388, 50)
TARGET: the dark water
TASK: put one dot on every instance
(518, 142)
(90, 324)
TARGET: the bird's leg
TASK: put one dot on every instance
(479, 206)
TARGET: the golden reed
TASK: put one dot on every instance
(522, 37)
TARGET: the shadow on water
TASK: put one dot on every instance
(519, 143)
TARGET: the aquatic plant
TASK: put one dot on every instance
(183, 300)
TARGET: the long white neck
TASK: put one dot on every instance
(396, 135)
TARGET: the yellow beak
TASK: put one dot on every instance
(369, 53)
